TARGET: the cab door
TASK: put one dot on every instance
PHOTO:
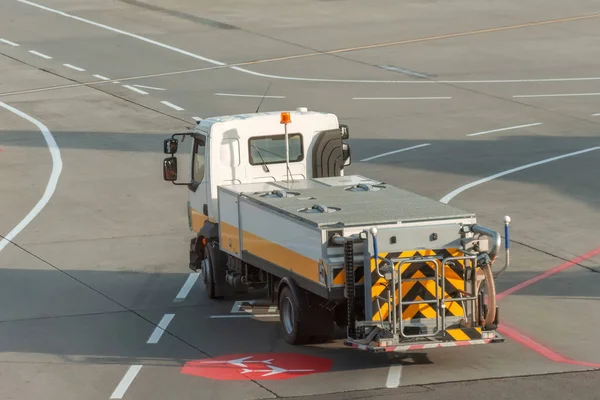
(200, 183)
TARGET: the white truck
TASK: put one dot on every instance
(272, 210)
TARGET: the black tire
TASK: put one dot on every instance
(301, 325)
(208, 271)
(294, 324)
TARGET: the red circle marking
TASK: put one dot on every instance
(262, 366)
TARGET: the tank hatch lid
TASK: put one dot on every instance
(339, 206)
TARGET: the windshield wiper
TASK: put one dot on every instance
(264, 164)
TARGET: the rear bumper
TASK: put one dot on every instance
(424, 344)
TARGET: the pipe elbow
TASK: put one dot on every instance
(495, 236)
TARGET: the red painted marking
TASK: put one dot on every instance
(528, 342)
(265, 366)
(540, 348)
(548, 273)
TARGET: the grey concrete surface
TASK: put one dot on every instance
(112, 244)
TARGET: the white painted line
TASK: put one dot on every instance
(149, 87)
(102, 77)
(237, 305)
(290, 78)
(52, 181)
(401, 98)
(74, 67)
(249, 95)
(126, 382)
(197, 118)
(504, 129)
(160, 329)
(461, 189)
(9, 42)
(595, 115)
(187, 286)
(245, 315)
(135, 89)
(395, 151)
(394, 376)
(166, 103)
(558, 95)
(37, 53)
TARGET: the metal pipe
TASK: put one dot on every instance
(287, 155)
(506, 246)
(495, 236)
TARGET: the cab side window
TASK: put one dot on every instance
(199, 159)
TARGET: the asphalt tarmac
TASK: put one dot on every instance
(489, 107)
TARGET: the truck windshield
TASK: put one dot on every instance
(272, 149)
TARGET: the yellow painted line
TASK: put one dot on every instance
(306, 55)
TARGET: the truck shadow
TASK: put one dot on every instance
(46, 312)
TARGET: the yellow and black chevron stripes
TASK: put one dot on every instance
(419, 290)
(339, 275)
(461, 334)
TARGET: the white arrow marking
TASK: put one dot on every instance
(148, 87)
(274, 370)
(238, 362)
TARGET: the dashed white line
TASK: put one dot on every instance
(126, 382)
(74, 67)
(394, 376)
(558, 95)
(149, 87)
(290, 78)
(37, 53)
(395, 151)
(461, 189)
(52, 181)
(595, 115)
(197, 118)
(135, 89)
(102, 77)
(9, 42)
(504, 129)
(401, 98)
(249, 95)
(160, 328)
(187, 286)
(173, 106)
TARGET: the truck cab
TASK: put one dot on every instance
(250, 149)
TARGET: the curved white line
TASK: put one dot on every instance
(52, 181)
(281, 77)
(461, 189)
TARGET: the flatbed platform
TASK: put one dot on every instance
(345, 204)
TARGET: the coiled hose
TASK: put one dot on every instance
(491, 287)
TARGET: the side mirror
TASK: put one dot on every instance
(346, 154)
(170, 146)
(170, 169)
(345, 132)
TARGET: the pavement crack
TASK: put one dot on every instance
(79, 84)
(146, 235)
(591, 269)
(5, 321)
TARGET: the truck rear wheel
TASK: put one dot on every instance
(301, 324)
(293, 321)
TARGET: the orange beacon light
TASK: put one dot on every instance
(285, 118)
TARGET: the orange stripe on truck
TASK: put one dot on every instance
(281, 256)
